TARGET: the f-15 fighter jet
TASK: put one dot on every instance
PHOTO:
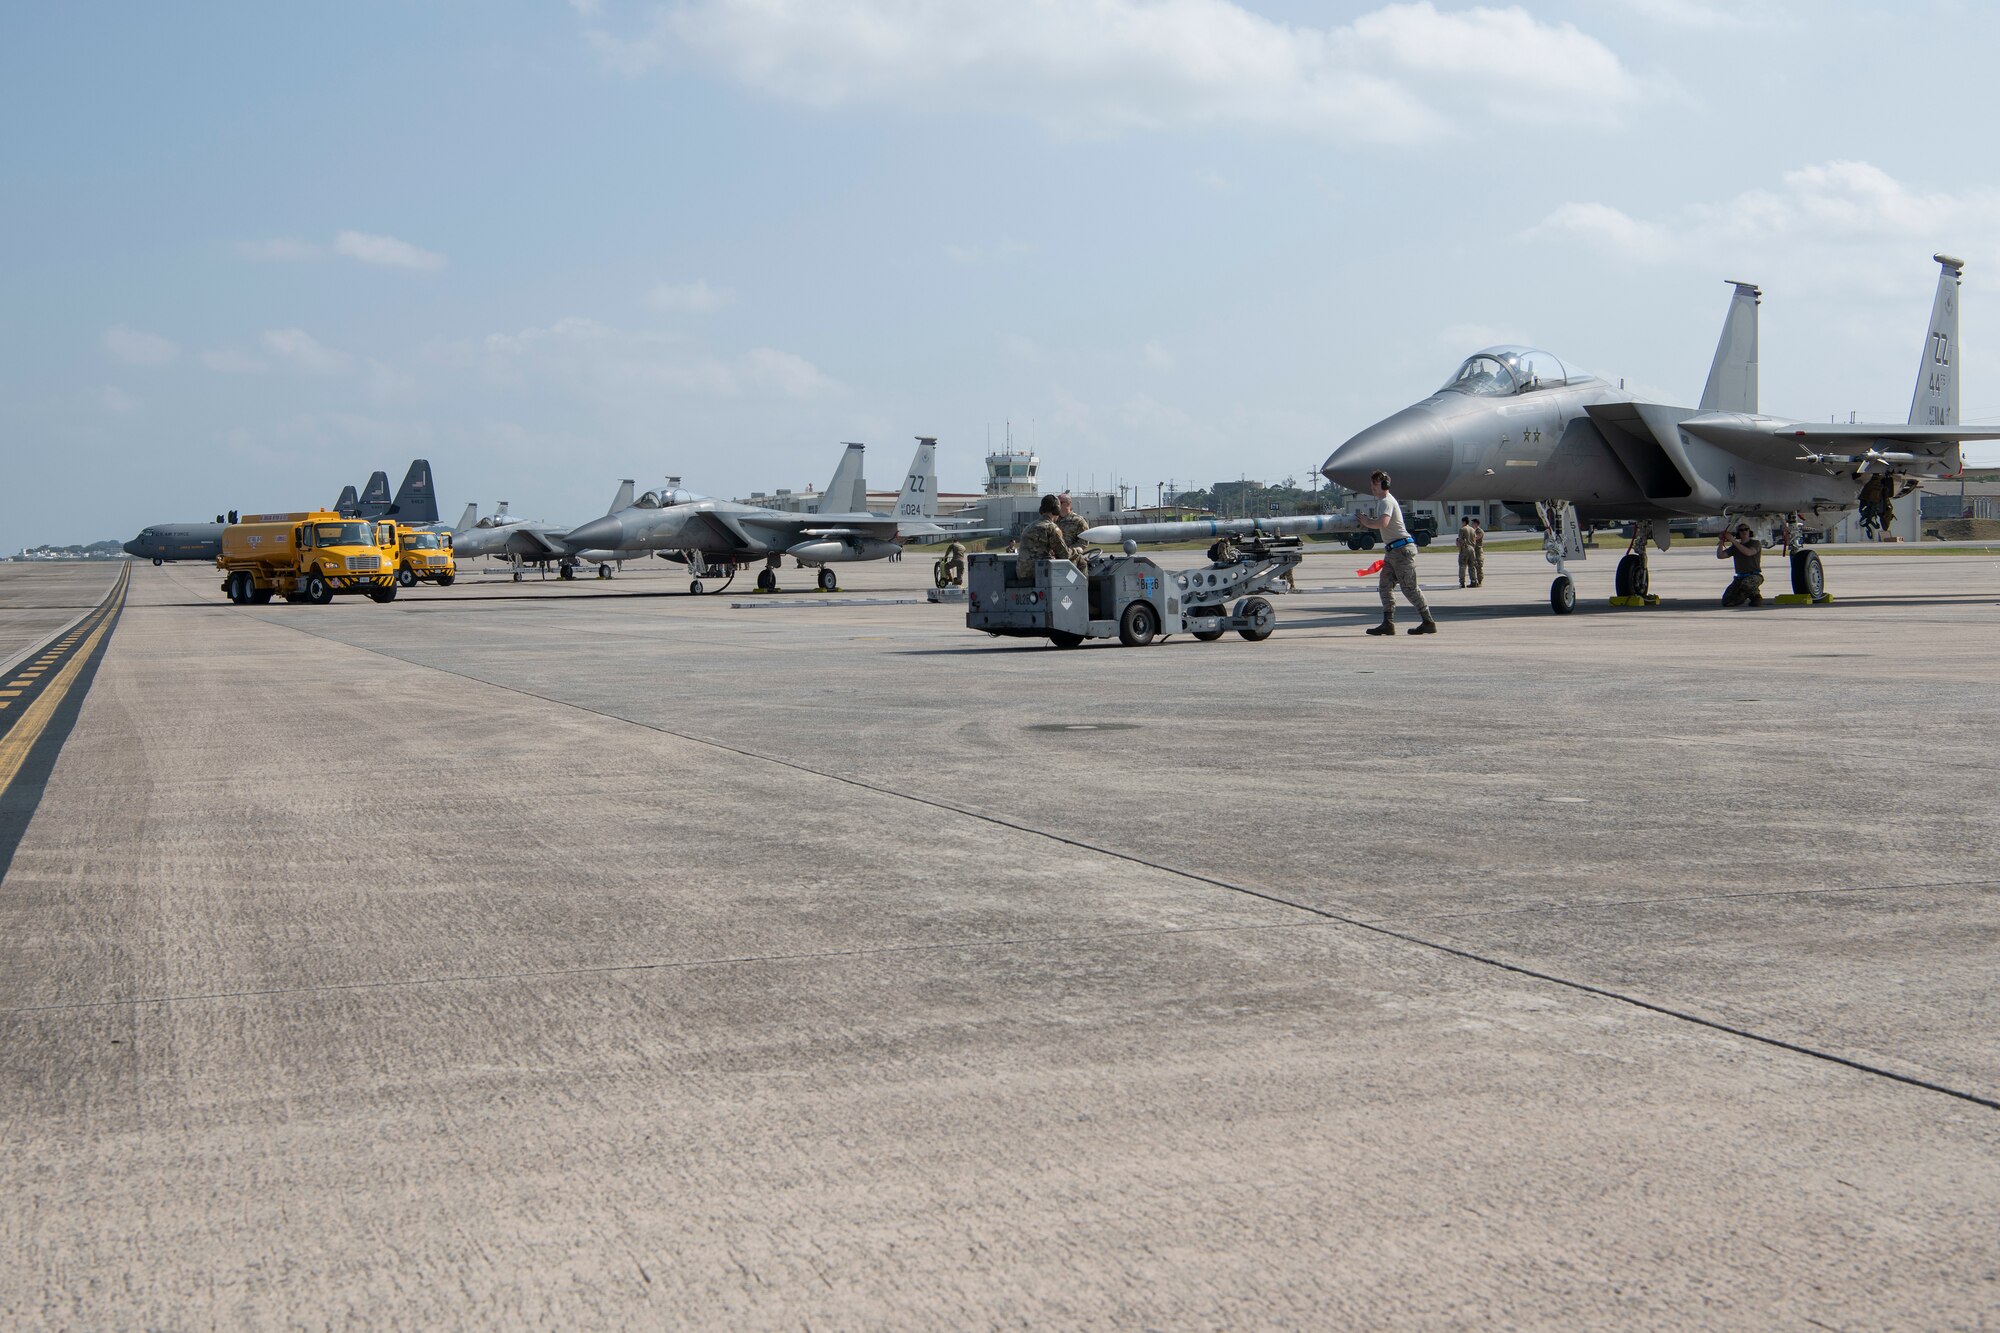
(1519, 425)
(714, 538)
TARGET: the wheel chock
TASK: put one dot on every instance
(1802, 599)
(1650, 599)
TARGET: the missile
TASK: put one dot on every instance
(1111, 534)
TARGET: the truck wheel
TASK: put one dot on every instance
(387, 594)
(260, 597)
(1261, 617)
(446, 580)
(1138, 625)
(318, 591)
(406, 577)
(1062, 638)
(1422, 540)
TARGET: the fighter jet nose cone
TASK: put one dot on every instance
(600, 534)
(1413, 447)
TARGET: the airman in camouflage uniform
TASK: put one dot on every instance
(1044, 540)
(1072, 525)
(951, 569)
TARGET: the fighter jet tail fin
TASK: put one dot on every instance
(416, 498)
(374, 501)
(1936, 400)
(845, 493)
(919, 497)
(1732, 378)
(468, 520)
(348, 503)
(622, 500)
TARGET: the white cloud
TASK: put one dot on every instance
(1845, 206)
(689, 298)
(621, 367)
(138, 348)
(366, 247)
(1397, 74)
(306, 352)
(229, 361)
(1157, 356)
(1700, 16)
(384, 250)
(114, 399)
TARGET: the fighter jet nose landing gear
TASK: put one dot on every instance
(1561, 541)
(1562, 595)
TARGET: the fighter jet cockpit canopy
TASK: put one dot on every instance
(1502, 372)
(664, 499)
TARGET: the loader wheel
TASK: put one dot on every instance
(1062, 638)
(1210, 635)
(1138, 625)
(1261, 617)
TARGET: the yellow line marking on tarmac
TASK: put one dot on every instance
(20, 740)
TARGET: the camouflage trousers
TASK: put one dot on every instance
(1478, 565)
(1467, 569)
(1399, 570)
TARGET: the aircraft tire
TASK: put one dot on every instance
(1261, 617)
(1562, 595)
(157, 562)
(1138, 625)
(566, 571)
(1062, 638)
(827, 581)
(694, 587)
(767, 580)
(1808, 574)
(406, 577)
(1633, 579)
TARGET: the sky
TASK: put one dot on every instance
(254, 252)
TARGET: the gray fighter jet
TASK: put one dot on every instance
(523, 542)
(714, 538)
(1523, 426)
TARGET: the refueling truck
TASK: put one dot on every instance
(1128, 596)
(424, 556)
(307, 557)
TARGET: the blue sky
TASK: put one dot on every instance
(256, 252)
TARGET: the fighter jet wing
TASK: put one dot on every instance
(1790, 443)
(532, 543)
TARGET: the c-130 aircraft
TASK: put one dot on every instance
(1519, 425)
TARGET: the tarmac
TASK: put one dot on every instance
(588, 954)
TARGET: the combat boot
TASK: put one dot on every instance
(1388, 626)
(1428, 626)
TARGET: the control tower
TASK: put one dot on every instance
(1013, 472)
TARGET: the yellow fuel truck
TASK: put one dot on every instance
(307, 557)
(423, 556)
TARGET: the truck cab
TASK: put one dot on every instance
(424, 556)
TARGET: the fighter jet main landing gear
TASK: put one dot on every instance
(827, 581)
(1808, 575)
(767, 580)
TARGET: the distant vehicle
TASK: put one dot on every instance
(307, 557)
(423, 556)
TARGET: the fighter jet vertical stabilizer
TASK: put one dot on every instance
(844, 494)
(622, 500)
(1936, 400)
(919, 497)
(468, 520)
(1732, 378)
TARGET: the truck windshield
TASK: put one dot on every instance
(420, 541)
(341, 534)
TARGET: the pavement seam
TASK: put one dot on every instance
(1817, 890)
(1357, 923)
